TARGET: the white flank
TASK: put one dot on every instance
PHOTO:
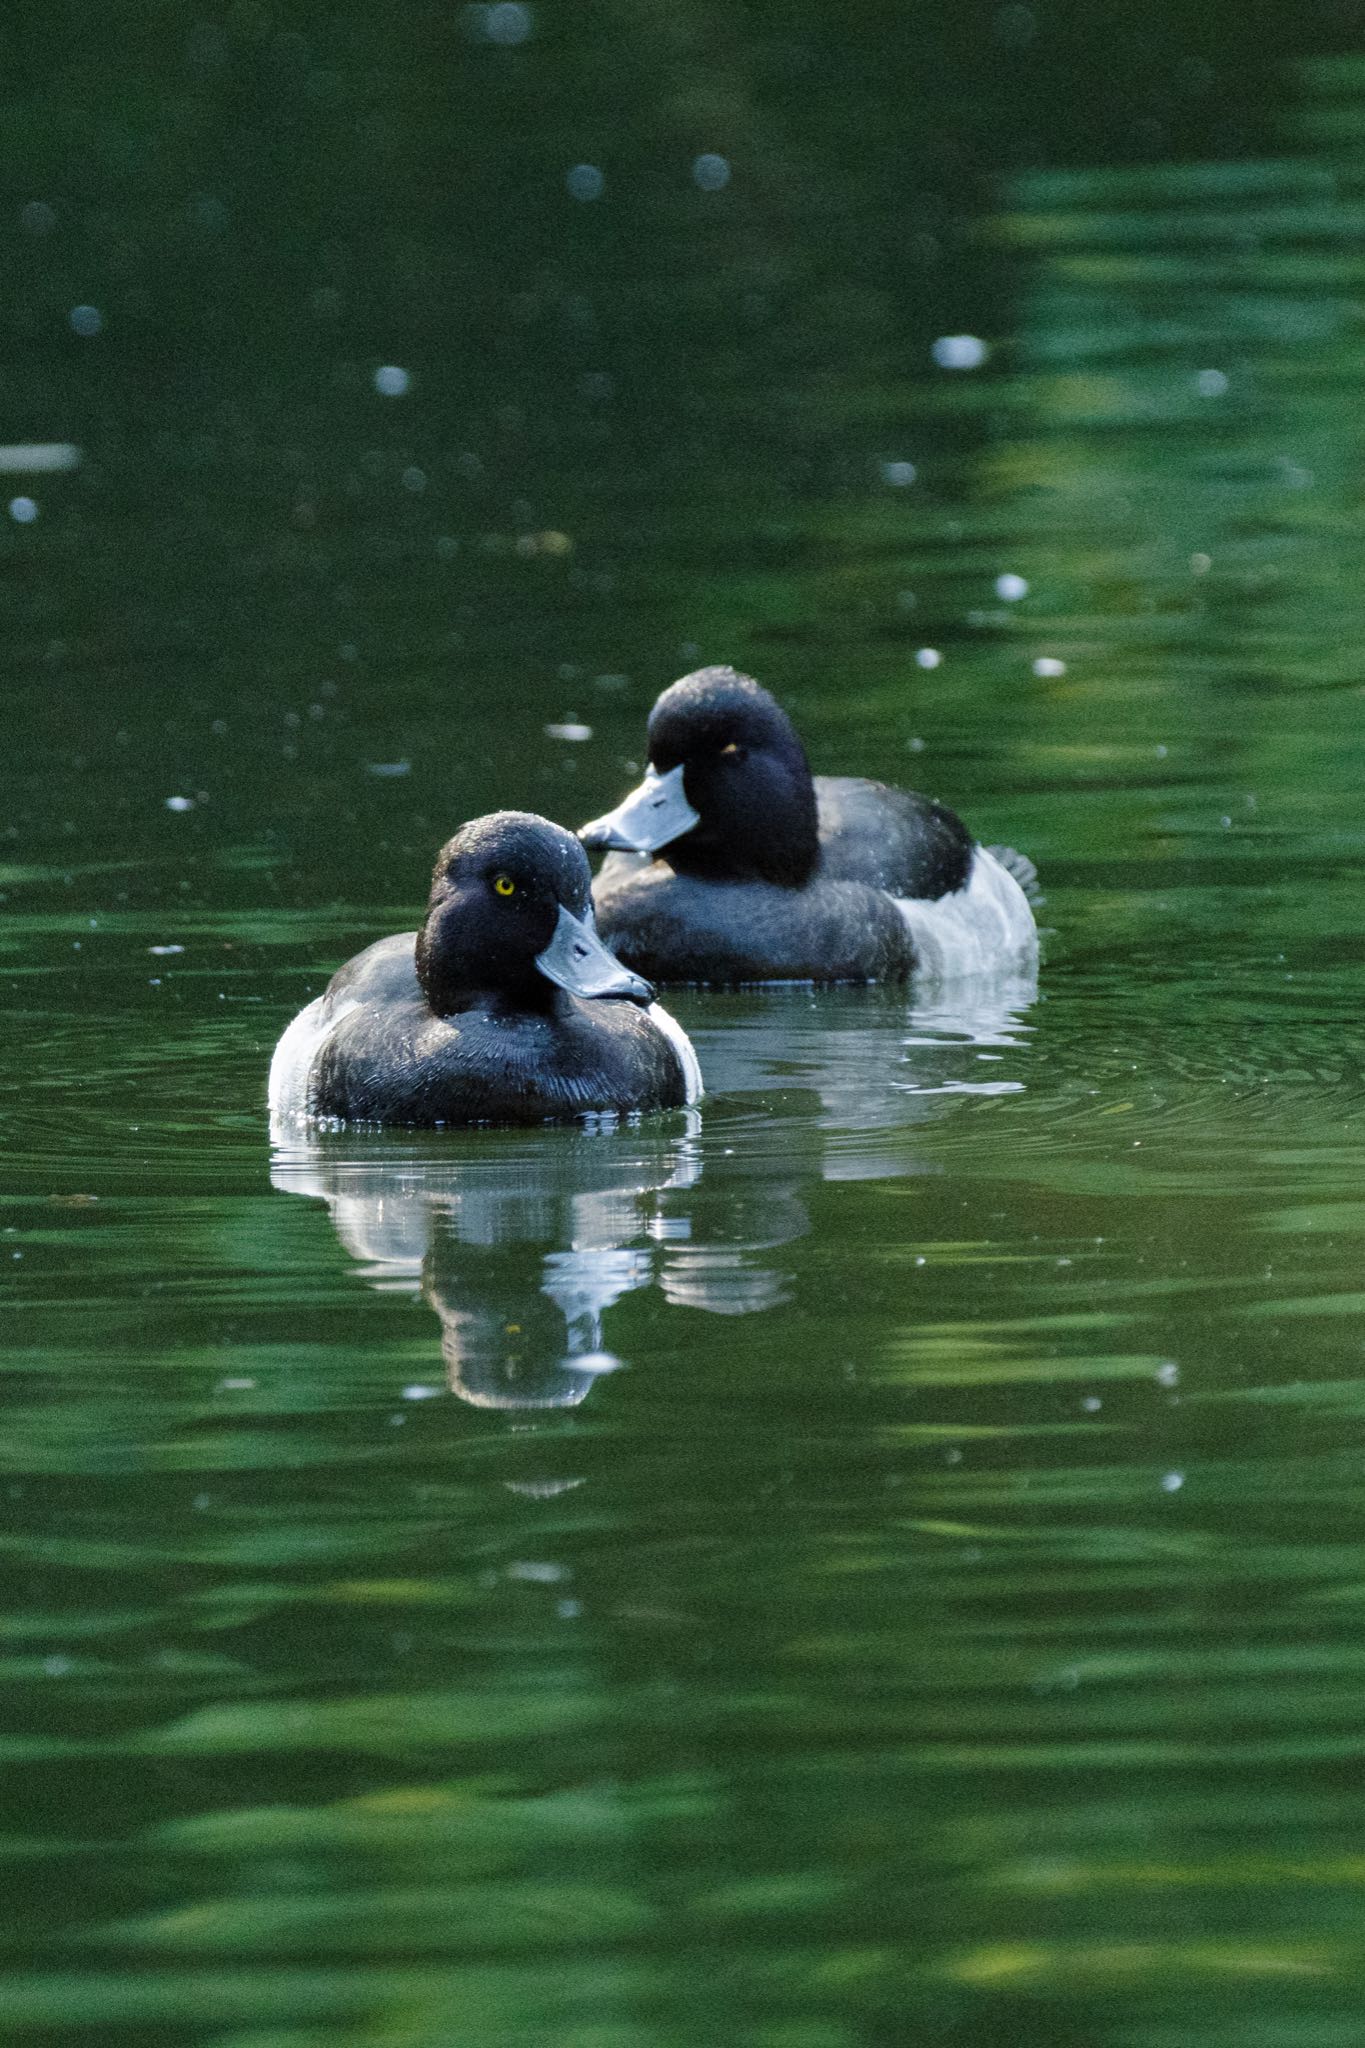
(682, 1046)
(292, 1062)
(985, 928)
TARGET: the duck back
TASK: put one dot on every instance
(893, 839)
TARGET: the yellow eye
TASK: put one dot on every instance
(504, 885)
(733, 748)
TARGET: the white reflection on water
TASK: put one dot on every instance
(523, 1242)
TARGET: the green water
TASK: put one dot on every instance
(880, 1560)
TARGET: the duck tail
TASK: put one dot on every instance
(1021, 867)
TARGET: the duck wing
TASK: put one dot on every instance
(894, 839)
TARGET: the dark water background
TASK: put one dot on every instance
(881, 1561)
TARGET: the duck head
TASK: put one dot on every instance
(510, 917)
(729, 795)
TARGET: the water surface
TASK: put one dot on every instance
(879, 1558)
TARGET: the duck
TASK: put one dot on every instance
(505, 1008)
(731, 863)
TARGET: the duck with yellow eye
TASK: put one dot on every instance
(504, 1008)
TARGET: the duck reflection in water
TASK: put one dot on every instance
(522, 1250)
(522, 1242)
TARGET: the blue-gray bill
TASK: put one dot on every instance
(652, 816)
(577, 960)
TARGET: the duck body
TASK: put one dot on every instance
(501, 1009)
(762, 872)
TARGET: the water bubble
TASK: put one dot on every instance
(86, 321)
(585, 182)
(710, 173)
(1011, 588)
(179, 803)
(507, 24)
(1171, 1482)
(1200, 564)
(1048, 665)
(960, 351)
(899, 474)
(928, 657)
(569, 729)
(1211, 383)
(23, 511)
(420, 1392)
(392, 382)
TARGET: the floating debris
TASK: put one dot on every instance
(162, 952)
(388, 768)
(1048, 665)
(23, 511)
(929, 657)
(1011, 588)
(899, 474)
(392, 382)
(710, 173)
(571, 729)
(960, 351)
(38, 458)
(179, 803)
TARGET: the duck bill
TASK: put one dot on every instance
(576, 960)
(652, 816)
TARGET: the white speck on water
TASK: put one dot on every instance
(418, 1391)
(1161, 751)
(568, 1610)
(571, 729)
(1092, 1404)
(392, 382)
(899, 474)
(534, 1573)
(960, 351)
(915, 745)
(1211, 383)
(1167, 1374)
(86, 321)
(38, 458)
(23, 511)
(1200, 564)
(388, 768)
(238, 1384)
(585, 182)
(37, 218)
(710, 173)
(179, 803)
(1226, 824)
(508, 24)
(1171, 1482)
(414, 479)
(1048, 665)
(56, 1667)
(928, 657)
(1010, 588)
(162, 951)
